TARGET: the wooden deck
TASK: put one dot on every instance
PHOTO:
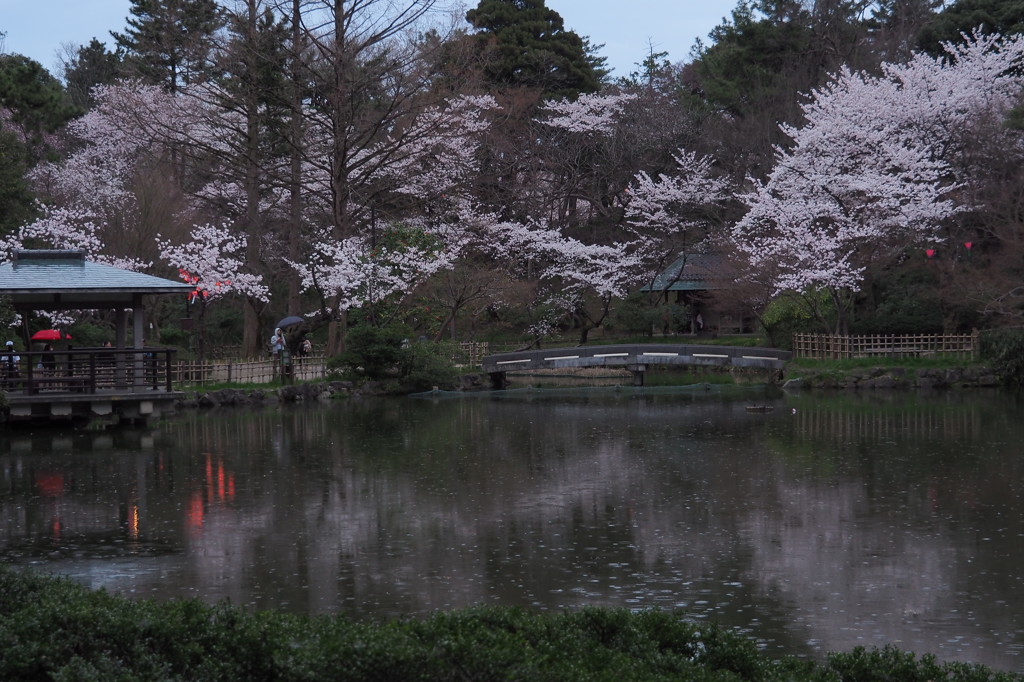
(89, 384)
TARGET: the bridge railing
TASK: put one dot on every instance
(634, 354)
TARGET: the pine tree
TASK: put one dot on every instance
(36, 101)
(92, 65)
(531, 49)
(169, 42)
(15, 197)
(1005, 17)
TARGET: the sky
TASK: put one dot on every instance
(629, 30)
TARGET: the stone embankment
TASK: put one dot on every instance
(303, 393)
(891, 378)
(793, 377)
(228, 397)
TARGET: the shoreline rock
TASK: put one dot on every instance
(892, 378)
(876, 378)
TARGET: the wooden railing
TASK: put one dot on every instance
(87, 370)
(833, 347)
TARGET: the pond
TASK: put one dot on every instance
(810, 522)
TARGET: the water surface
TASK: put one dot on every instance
(825, 523)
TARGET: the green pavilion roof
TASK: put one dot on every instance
(60, 280)
(694, 272)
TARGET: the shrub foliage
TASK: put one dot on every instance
(52, 628)
(1004, 349)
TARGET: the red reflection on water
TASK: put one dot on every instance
(196, 511)
(220, 481)
(218, 487)
(50, 485)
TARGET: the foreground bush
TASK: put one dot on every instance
(51, 628)
(1004, 348)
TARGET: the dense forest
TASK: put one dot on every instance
(843, 165)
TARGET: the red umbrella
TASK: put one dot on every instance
(50, 335)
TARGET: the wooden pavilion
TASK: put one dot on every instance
(128, 381)
(699, 281)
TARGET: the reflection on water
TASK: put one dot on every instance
(825, 523)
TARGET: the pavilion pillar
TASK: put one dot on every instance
(120, 327)
(138, 341)
(120, 336)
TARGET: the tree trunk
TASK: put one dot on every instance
(295, 181)
(251, 334)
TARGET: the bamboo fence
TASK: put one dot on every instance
(310, 368)
(834, 347)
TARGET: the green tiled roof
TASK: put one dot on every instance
(694, 272)
(65, 279)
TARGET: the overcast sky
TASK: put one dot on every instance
(628, 29)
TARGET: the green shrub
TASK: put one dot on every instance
(373, 352)
(424, 366)
(632, 315)
(174, 336)
(890, 663)
(792, 314)
(1004, 350)
(54, 629)
(385, 353)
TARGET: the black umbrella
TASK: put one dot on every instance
(290, 321)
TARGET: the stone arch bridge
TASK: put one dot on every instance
(635, 358)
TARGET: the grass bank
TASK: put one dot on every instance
(52, 628)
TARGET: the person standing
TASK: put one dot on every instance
(48, 362)
(9, 362)
(277, 343)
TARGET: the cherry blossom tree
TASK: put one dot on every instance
(121, 172)
(663, 216)
(66, 228)
(424, 194)
(213, 262)
(672, 216)
(872, 170)
(576, 277)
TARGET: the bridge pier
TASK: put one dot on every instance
(638, 373)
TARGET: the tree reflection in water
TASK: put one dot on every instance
(829, 522)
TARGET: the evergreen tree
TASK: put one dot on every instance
(896, 25)
(761, 65)
(15, 198)
(92, 65)
(754, 60)
(36, 102)
(965, 16)
(254, 90)
(530, 48)
(169, 42)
